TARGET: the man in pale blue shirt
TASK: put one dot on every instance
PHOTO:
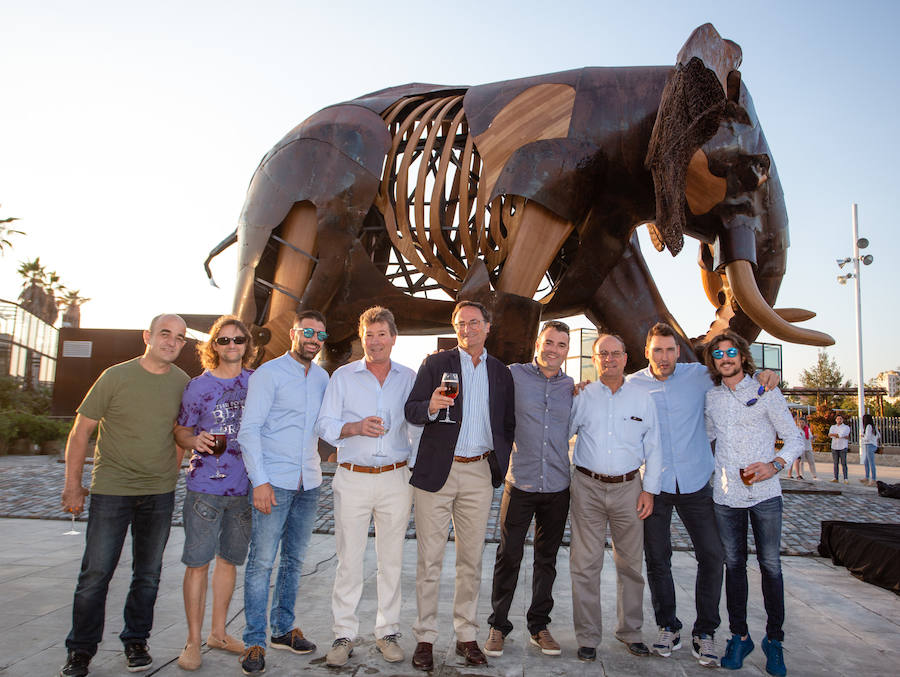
(362, 415)
(679, 391)
(280, 450)
(617, 434)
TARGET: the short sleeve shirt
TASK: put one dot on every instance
(216, 404)
(135, 452)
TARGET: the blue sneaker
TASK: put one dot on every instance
(736, 651)
(774, 657)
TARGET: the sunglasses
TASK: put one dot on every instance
(754, 400)
(719, 354)
(225, 340)
(309, 332)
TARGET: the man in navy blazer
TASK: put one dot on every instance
(457, 467)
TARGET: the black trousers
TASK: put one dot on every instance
(698, 516)
(517, 509)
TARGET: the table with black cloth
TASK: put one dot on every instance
(871, 552)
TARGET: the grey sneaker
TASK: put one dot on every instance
(703, 647)
(339, 653)
(390, 648)
(666, 642)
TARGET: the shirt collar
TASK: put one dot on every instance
(537, 369)
(464, 354)
(360, 365)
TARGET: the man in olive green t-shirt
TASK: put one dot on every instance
(134, 404)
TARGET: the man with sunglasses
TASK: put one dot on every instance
(216, 511)
(457, 467)
(744, 421)
(679, 391)
(536, 488)
(280, 448)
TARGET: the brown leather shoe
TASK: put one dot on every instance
(471, 652)
(422, 658)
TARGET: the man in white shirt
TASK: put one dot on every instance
(617, 432)
(840, 440)
(362, 415)
(743, 419)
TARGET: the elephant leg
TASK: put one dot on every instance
(292, 272)
(536, 241)
(628, 303)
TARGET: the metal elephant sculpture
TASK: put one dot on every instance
(524, 195)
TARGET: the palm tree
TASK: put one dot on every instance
(6, 231)
(38, 290)
(72, 302)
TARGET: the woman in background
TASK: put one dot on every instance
(869, 444)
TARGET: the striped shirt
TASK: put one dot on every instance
(475, 429)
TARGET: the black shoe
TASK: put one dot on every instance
(637, 649)
(253, 660)
(76, 664)
(587, 653)
(137, 659)
(293, 641)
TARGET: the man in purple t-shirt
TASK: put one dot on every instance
(217, 514)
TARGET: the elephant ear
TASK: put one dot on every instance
(692, 105)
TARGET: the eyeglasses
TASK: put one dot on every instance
(719, 354)
(616, 354)
(309, 332)
(225, 340)
(471, 324)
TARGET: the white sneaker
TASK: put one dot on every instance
(666, 642)
(339, 653)
(703, 647)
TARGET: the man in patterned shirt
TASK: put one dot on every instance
(743, 419)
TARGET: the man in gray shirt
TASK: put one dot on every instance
(537, 487)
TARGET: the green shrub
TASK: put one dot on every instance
(9, 427)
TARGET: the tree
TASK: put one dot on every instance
(825, 374)
(72, 302)
(39, 290)
(6, 231)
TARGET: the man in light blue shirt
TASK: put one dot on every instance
(362, 415)
(617, 434)
(679, 391)
(279, 445)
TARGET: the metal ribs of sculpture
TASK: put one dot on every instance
(524, 195)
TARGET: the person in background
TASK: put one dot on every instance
(840, 441)
(807, 455)
(869, 443)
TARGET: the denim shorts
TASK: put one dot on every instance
(216, 525)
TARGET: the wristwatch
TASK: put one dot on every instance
(778, 466)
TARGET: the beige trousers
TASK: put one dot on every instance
(358, 497)
(594, 505)
(466, 499)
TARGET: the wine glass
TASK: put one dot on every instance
(73, 531)
(385, 416)
(450, 384)
(220, 443)
(746, 478)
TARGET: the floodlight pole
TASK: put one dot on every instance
(861, 389)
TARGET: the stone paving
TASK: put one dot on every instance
(30, 486)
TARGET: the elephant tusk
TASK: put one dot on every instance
(746, 292)
(712, 287)
(795, 314)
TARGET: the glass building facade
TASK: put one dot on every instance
(27, 345)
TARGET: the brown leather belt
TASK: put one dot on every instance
(471, 459)
(373, 470)
(609, 479)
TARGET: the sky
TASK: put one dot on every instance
(129, 132)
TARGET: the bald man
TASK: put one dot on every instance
(135, 405)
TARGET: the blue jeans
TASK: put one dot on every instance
(870, 462)
(765, 518)
(696, 512)
(150, 518)
(290, 524)
(839, 456)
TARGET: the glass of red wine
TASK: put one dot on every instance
(450, 384)
(220, 443)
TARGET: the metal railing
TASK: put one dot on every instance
(888, 426)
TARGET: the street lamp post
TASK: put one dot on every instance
(858, 243)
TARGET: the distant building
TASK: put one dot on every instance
(27, 346)
(890, 381)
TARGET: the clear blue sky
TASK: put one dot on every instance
(128, 135)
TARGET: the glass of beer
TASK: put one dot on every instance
(219, 445)
(450, 385)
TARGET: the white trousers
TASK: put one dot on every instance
(357, 498)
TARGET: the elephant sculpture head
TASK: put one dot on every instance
(525, 195)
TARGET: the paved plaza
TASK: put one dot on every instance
(836, 625)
